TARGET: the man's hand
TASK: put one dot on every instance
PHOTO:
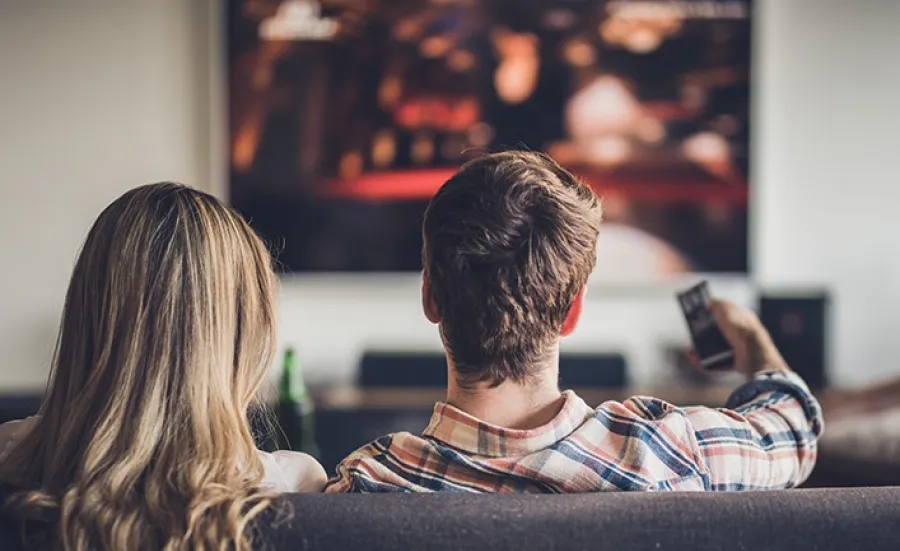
(753, 348)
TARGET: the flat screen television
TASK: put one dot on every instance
(345, 116)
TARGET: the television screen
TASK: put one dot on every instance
(347, 115)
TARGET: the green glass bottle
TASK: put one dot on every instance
(296, 411)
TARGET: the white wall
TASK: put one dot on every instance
(101, 95)
(96, 96)
(827, 151)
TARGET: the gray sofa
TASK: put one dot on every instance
(850, 518)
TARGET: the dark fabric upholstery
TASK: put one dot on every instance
(853, 518)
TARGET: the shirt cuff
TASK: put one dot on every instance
(779, 381)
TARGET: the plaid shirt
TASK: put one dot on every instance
(765, 439)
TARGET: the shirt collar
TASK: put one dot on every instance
(458, 429)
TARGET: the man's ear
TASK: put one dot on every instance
(574, 315)
(428, 305)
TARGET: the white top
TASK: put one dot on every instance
(285, 471)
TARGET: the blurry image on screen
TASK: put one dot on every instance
(346, 116)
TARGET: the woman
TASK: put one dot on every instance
(143, 440)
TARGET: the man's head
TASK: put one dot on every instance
(509, 244)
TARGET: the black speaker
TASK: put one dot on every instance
(381, 369)
(798, 324)
(595, 370)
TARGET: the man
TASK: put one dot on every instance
(509, 245)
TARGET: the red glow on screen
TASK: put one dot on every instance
(421, 185)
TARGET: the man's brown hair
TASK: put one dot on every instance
(509, 242)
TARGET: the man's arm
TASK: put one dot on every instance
(343, 481)
(766, 439)
(767, 436)
(363, 472)
(340, 484)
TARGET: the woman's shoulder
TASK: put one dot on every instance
(12, 431)
(287, 471)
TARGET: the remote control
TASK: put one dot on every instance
(713, 350)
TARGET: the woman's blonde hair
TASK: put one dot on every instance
(143, 440)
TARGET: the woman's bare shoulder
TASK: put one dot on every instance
(12, 431)
(288, 471)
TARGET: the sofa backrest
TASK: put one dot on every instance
(853, 518)
(864, 518)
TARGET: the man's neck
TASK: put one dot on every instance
(511, 405)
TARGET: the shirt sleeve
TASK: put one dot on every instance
(348, 471)
(349, 478)
(765, 438)
(363, 471)
(341, 483)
